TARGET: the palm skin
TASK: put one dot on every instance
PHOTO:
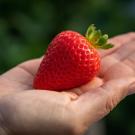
(25, 111)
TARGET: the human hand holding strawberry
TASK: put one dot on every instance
(25, 111)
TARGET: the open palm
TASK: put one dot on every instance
(69, 112)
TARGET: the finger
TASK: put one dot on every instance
(31, 66)
(118, 41)
(112, 68)
(130, 61)
(106, 63)
(20, 77)
(97, 103)
(124, 51)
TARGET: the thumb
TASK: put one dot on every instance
(97, 103)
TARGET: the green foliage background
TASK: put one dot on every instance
(27, 26)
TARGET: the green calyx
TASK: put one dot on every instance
(96, 38)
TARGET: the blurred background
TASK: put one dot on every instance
(27, 26)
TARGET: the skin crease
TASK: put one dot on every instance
(24, 111)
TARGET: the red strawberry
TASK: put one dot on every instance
(71, 60)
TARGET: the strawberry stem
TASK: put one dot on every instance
(97, 39)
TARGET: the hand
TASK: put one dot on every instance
(25, 111)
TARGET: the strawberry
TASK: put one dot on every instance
(71, 60)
